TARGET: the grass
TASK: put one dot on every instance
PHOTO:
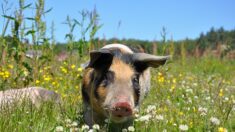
(194, 96)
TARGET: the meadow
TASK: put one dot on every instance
(189, 93)
(195, 96)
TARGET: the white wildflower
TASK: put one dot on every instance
(144, 118)
(202, 111)
(194, 84)
(74, 124)
(59, 129)
(74, 129)
(215, 121)
(151, 109)
(226, 99)
(159, 117)
(68, 121)
(85, 127)
(208, 98)
(124, 130)
(96, 127)
(106, 120)
(91, 130)
(189, 90)
(164, 130)
(183, 127)
(131, 129)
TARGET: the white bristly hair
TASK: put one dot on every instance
(120, 46)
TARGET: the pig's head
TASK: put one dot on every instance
(116, 82)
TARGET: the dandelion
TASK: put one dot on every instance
(37, 82)
(181, 113)
(63, 70)
(221, 92)
(79, 69)
(221, 129)
(47, 78)
(59, 129)
(161, 79)
(131, 129)
(215, 121)
(172, 87)
(10, 66)
(72, 66)
(191, 124)
(183, 127)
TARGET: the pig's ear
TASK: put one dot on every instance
(142, 61)
(100, 60)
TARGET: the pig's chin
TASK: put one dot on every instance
(116, 119)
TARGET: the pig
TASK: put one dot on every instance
(35, 95)
(115, 82)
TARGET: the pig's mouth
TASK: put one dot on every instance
(120, 113)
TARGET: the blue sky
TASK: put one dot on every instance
(144, 19)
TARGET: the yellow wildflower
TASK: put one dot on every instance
(174, 80)
(10, 66)
(159, 74)
(26, 73)
(63, 69)
(161, 79)
(37, 82)
(79, 69)
(172, 87)
(1, 73)
(181, 113)
(73, 66)
(191, 124)
(221, 92)
(47, 78)
(221, 129)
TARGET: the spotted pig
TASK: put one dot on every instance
(115, 82)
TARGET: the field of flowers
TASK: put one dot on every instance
(197, 95)
(188, 93)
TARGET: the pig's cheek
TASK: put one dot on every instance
(102, 92)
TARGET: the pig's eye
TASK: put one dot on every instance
(135, 79)
(136, 87)
(107, 78)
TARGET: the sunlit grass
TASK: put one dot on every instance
(193, 97)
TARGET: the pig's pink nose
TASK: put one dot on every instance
(122, 109)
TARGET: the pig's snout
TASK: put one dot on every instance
(122, 109)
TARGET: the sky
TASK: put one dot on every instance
(144, 19)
